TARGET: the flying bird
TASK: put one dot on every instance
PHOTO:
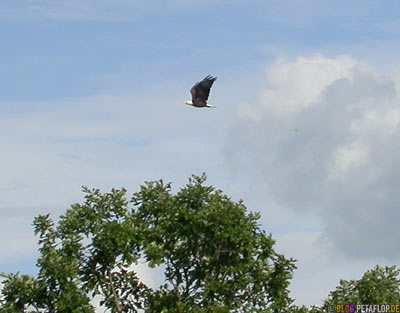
(200, 92)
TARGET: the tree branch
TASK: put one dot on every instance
(113, 291)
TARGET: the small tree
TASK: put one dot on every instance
(216, 257)
(379, 285)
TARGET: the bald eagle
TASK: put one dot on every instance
(200, 92)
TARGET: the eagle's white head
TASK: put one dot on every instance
(188, 102)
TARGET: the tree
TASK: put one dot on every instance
(380, 285)
(377, 286)
(216, 257)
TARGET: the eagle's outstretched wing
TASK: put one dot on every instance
(201, 90)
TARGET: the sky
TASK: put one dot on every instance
(92, 92)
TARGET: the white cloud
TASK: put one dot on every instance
(345, 158)
(341, 166)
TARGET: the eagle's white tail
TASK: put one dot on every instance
(210, 106)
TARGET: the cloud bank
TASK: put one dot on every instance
(341, 165)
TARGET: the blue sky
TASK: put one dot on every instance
(54, 51)
(91, 93)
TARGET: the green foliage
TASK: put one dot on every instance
(18, 291)
(215, 254)
(379, 285)
(304, 309)
(216, 257)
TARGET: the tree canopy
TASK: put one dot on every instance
(216, 257)
(380, 285)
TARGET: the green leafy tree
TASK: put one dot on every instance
(216, 256)
(380, 285)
